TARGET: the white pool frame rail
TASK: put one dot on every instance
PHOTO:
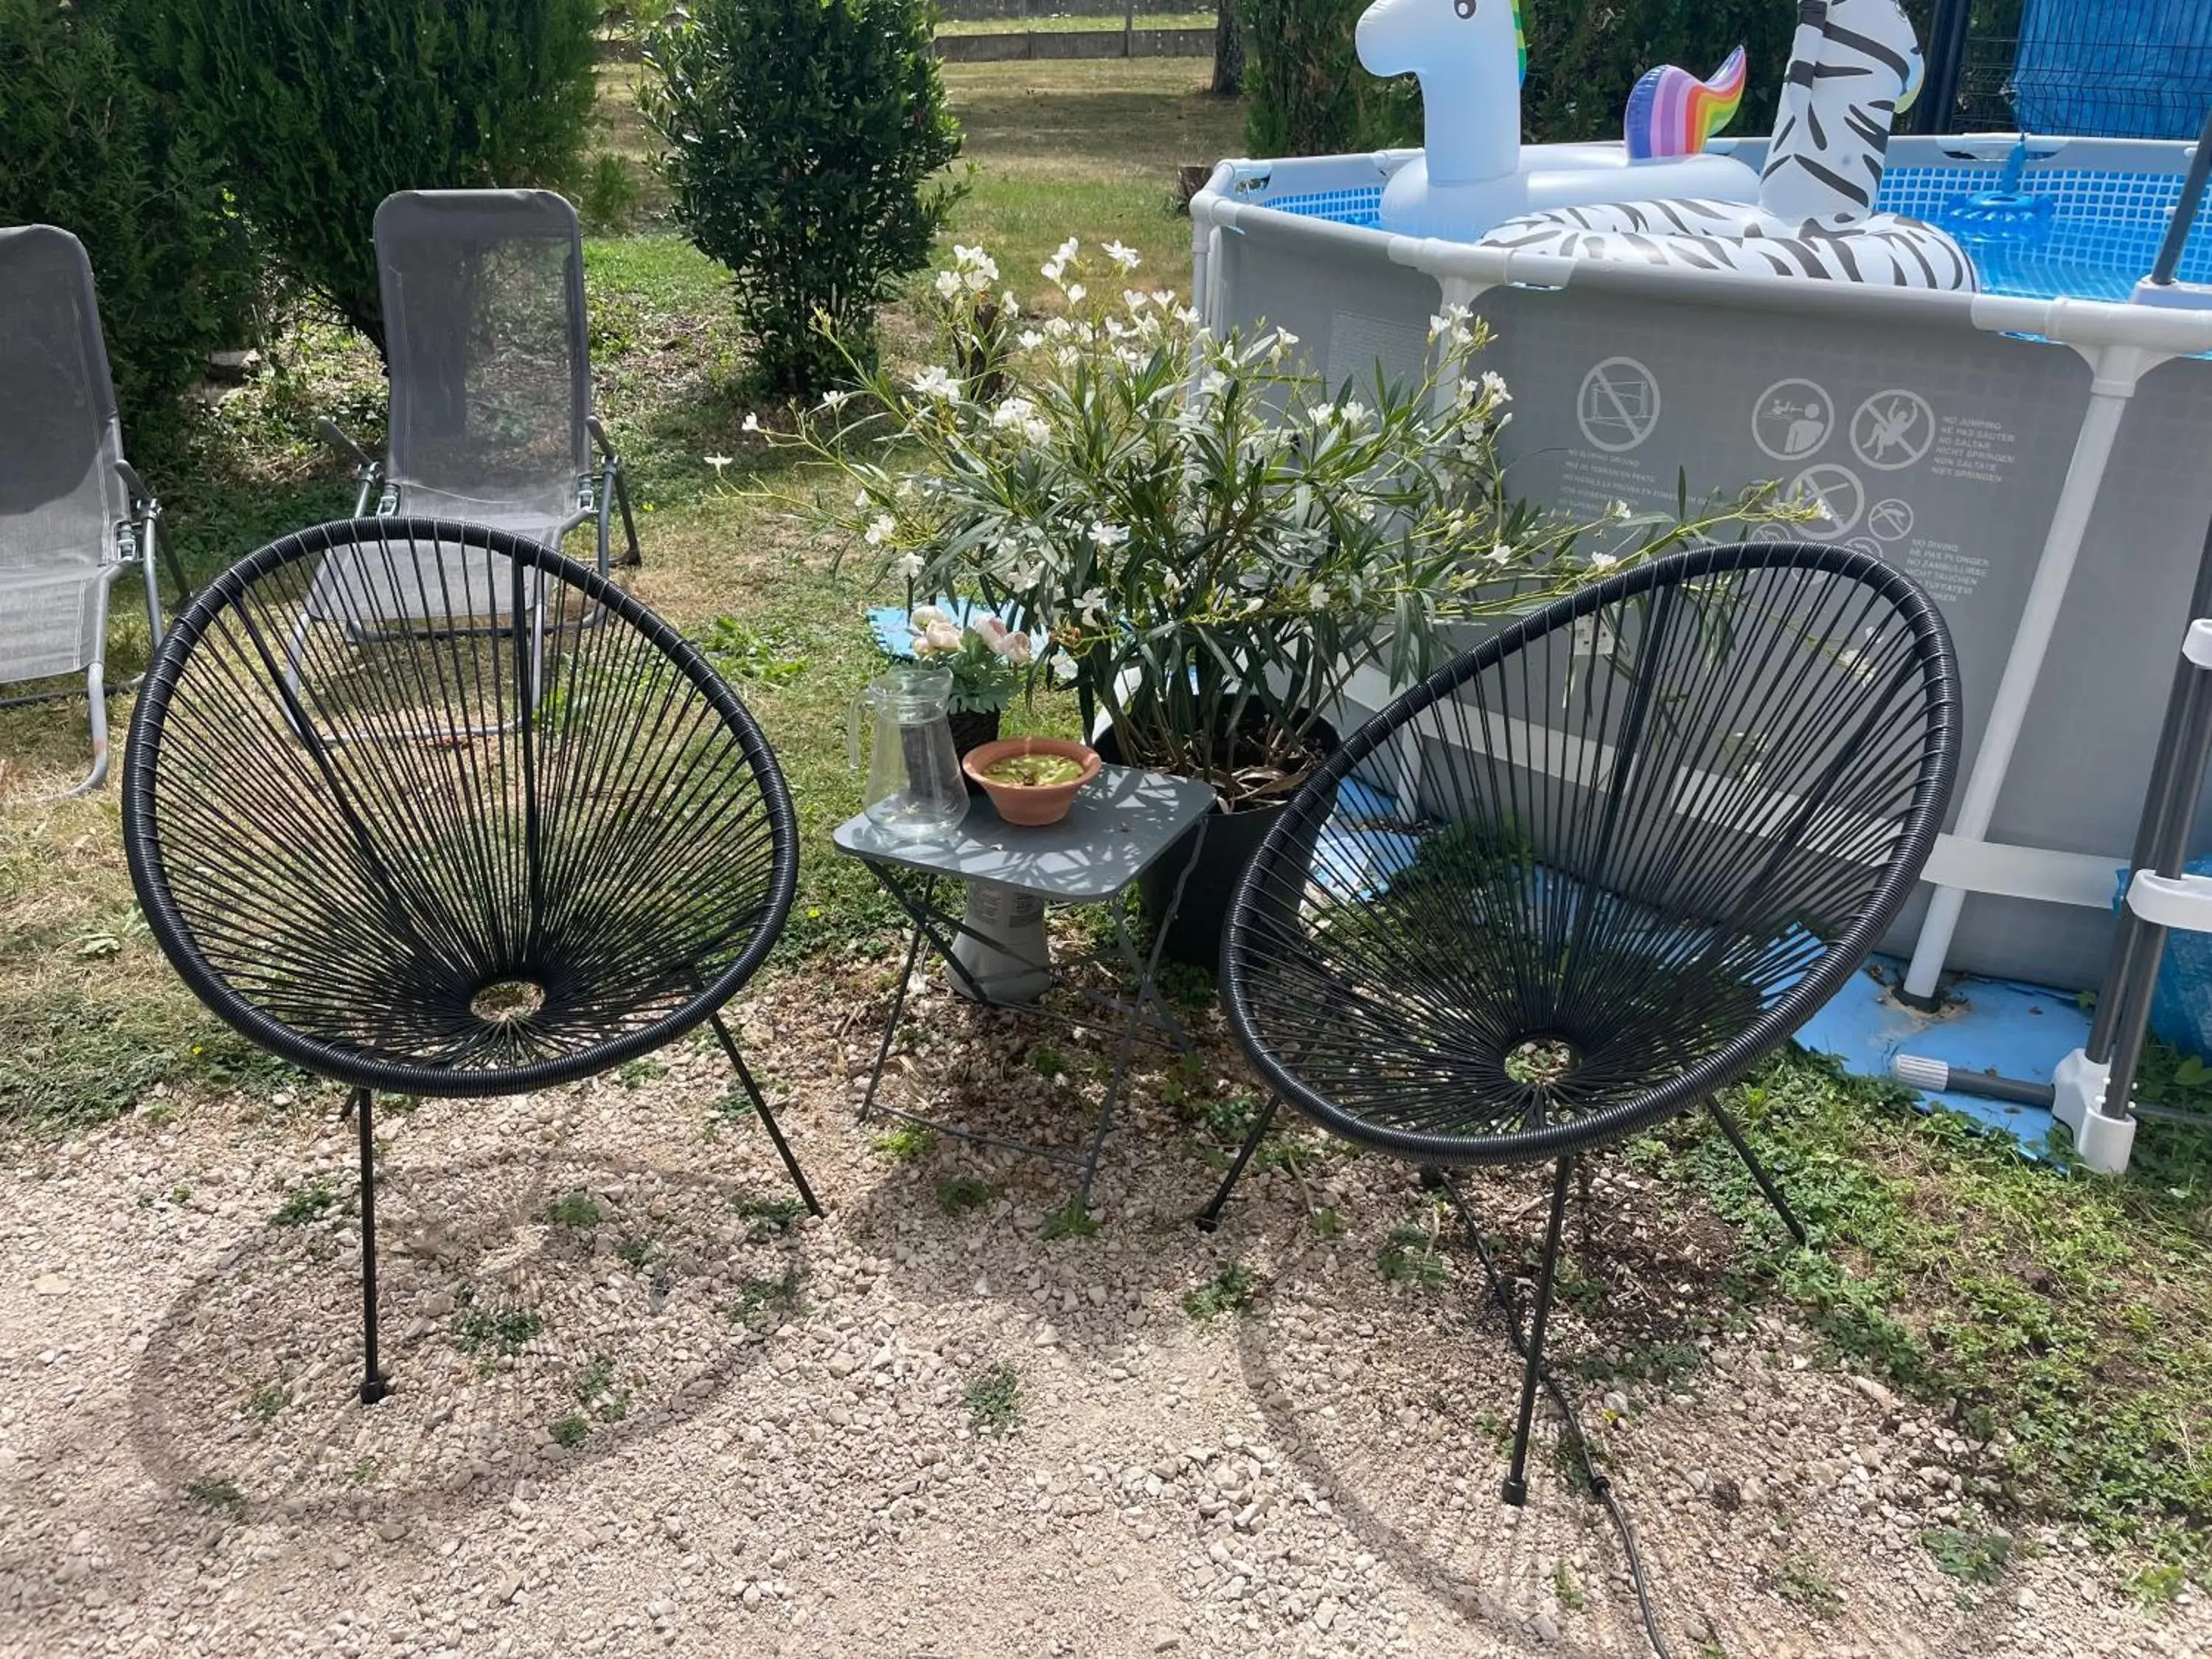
(2121, 343)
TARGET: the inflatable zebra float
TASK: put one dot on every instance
(1854, 65)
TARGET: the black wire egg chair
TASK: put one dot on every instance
(425, 807)
(1646, 834)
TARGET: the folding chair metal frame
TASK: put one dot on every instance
(130, 534)
(602, 490)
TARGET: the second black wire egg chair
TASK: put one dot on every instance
(427, 808)
(1651, 830)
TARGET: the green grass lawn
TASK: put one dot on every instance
(2068, 1318)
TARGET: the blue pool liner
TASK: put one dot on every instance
(2105, 232)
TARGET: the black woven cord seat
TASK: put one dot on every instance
(1644, 836)
(427, 808)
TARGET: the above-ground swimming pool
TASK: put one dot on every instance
(2104, 235)
(2036, 454)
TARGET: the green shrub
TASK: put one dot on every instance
(1309, 96)
(607, 195)
(84, 145)
(803, 138)
(320, 111)
(1305, 92)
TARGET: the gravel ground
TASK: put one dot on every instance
(640, 1408)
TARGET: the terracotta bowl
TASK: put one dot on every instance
(1027, 804)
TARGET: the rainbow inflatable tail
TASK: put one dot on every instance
(1672, 113)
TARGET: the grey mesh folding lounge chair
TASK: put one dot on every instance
(73, 514)
(487, 342)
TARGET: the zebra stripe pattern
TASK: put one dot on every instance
(1884, 251)
(1854, 66)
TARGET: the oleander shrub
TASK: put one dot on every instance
(805, 146)
(318, 111)
(84, 144)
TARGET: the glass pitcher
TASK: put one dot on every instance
(914, 790)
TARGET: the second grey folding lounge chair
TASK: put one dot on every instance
(73, 514)
(488, 343)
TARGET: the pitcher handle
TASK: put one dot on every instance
(853, 731)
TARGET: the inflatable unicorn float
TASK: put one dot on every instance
(1658, 199)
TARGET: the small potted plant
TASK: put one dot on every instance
(986, 660)
(1033, 781)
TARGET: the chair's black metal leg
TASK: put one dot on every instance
(1517, 1480)
(1210, 1217)
(373, 1387)
(767, 1117)
(1734, 1131)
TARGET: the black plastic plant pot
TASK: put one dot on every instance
(1202, 920)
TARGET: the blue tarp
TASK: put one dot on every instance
(2114, 69)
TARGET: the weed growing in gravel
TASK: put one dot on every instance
(633, 1073)
(1410, 1256)
(570, 1432)
(1072, 1222)
(304, 1204)
(509, 1332)
(1569, 1592)
(757, 1296)
(221, 1495)
(992, 1400)
(636, 1249)
(267, 1402)
(1229, 1292)
(573, 1210)
(1326, 1222)
(958, 1194)
(1047, 1062)
(1799, 1579)
(1970, 1557)
(732, 1105)
(906, 1143)
(362, 1472)
(594, 1388)
(1661, 1364)
(769, 1215)
(2157, 1587)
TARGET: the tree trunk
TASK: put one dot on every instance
(1228, 50)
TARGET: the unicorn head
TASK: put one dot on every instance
(1470, 56)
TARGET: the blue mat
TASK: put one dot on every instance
(2019, 1032)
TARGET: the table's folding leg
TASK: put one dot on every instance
(898, 991)
(1147, 994)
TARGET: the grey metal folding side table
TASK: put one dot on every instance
(1122, 823)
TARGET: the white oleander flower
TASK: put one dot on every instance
(1127, 257)
(718, 462)
(1091, 607)
(948, 284)
(909, 565)
(881, 529)
(1075, 292)
(834, 401)
(937, 381)
(1031, 339)
(1107, 535)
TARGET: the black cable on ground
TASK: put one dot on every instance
(1600, 1487)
